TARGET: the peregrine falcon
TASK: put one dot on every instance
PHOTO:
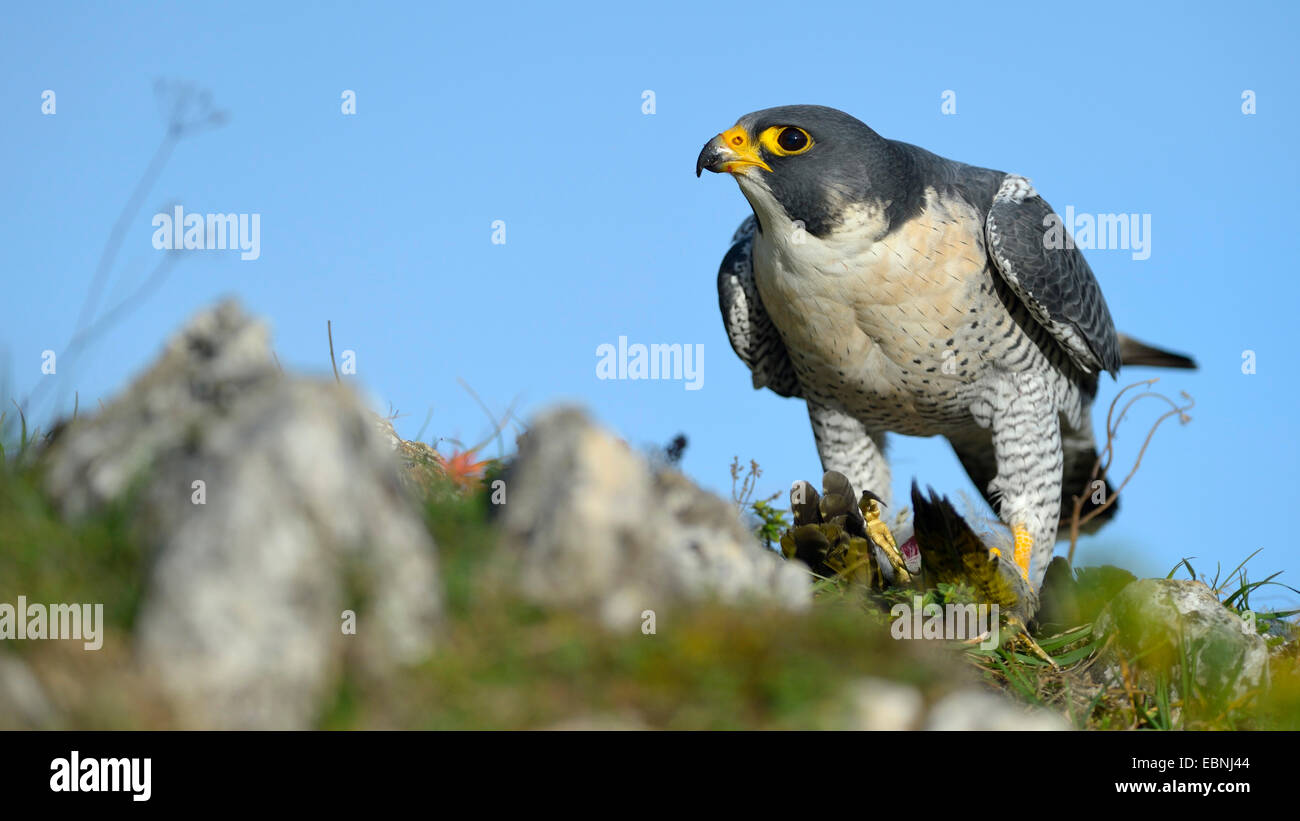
(898, 291)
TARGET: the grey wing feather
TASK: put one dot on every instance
(1051, 278)
(753, 336)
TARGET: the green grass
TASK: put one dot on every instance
(1167, 700)
(47, 559)
(501, 663)
(506, 664)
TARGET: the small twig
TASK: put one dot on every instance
(329, 329)
(117, 234)
(125, 306)
(497, 427)
(419, 435)
(1108, 451)
(1107, 455)
(182, 121)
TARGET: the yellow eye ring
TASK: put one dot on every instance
(786, 140)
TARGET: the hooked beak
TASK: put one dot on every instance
(732, 151)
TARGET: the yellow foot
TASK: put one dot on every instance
(1024, 548)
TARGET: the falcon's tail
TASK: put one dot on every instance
(1136, 352)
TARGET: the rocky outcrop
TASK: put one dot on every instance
(1164, 624)
(269, 505)
(591, 525)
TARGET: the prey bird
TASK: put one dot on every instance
(894, 290)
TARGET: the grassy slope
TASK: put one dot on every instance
(504, 664)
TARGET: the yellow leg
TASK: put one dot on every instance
(1024, 548)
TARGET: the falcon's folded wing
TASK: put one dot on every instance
(1027, 242)
(753, 336)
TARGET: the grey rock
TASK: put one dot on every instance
(594, 527)
(1150, 617)
(23, 703)
(1283, 640)
(305, 516)
(980, 710)
(876, 704)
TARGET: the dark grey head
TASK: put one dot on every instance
(814, 162)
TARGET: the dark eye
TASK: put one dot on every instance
(792, 139)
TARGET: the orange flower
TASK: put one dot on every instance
(461, 467)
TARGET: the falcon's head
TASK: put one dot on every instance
(811, 164)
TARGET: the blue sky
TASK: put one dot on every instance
(382, 221)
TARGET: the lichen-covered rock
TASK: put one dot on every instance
(1160, 624)
(592, 526)
(270, 505)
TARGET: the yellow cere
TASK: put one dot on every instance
(737, 139)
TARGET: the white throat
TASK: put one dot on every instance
(787, 244)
